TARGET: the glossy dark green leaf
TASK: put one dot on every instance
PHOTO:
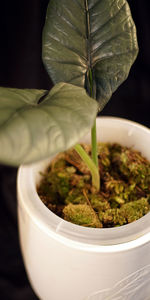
(30, 130)
(80, 35)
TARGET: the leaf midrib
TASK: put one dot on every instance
(88, 35)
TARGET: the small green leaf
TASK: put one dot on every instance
(84, 35)
(30, 131)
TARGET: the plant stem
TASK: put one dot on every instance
(93, 131)
(94, 145)
(91, 165)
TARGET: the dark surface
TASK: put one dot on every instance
(21, 66)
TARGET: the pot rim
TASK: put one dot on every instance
(99, 240)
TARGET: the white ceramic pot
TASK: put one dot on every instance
(70, 262)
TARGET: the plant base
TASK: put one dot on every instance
(125, 187)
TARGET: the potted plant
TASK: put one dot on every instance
(64, 260)
(87, 57)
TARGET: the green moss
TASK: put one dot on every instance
(104, 157)
(112, 217)
(128, 213)
(59, 183)
(117, 200)
(79, 181)
(71, 170)
(59, 164)
(135, 209)
(99, 203)
(125, 187)
(114, 186)
(132, 165)
(55, 185)
(81, 214)
(75, 197)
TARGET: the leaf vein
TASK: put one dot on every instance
(94, 5)
(79, 33)
(108, 21)
(114, 55)
(67, 47)
(106, 42)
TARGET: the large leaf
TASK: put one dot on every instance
(30, 130)
(80, 35)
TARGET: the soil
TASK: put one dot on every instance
(124, 195)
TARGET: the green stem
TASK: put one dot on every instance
(94, 145)
(93, 131)
(91, 165)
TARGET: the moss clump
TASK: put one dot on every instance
(125, 187)
(99, 203)
(135, 209)
(104, 157)
(81, 214)
(75, 197)
(112, 218)
(134, 167)
(127, 213)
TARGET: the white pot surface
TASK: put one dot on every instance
(70, 262)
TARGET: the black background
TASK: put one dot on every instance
(21, 23)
